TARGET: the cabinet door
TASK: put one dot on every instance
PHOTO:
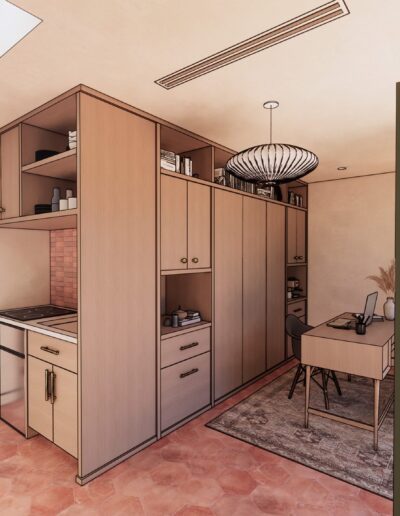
(10, 173)
(40, 410)
(228, 292)
(301, 236)
(173, 223)
(276, 291)
(199, 226)
(291, 235)
(254, 287)
(66, 410)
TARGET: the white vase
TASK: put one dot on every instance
(388, 309)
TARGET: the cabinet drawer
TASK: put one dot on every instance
(298, 308)
(182, 347)
(55, 351)
(185, 389)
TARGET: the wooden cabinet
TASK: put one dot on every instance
(185, 225)
(276, 288)
(228, 292)
(10, 173)
(52, 403)
(296, 236)
(254, 287)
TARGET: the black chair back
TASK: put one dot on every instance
(295, 329)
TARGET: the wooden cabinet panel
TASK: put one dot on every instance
(276, 289)
(10, 173)
(228, 292)
(301, 236)
(291, 235)
(117, 394)
(173, 223)
(66, 411)
(254, 287)
(199, 226)
(185, 389)
(182, 347)
(40, 410)
(298, 308)
(56, 351)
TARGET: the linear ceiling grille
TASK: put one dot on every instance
(308, 21)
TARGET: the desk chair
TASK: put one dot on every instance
(295, 329)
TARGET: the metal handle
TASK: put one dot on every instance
(300, 257)
(195, 260)
(50, 350)
(46, 385)
(188, 373)
(187, 346)
(2, 210)
(297, 310)
(296, 257)
(184, 260)
(52, 387)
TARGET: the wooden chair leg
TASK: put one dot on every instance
(336, 382)
(295, 380)
(325, 387)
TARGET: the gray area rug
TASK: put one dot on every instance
(269, 420)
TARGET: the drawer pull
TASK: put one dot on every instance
(188, 346)
(184, 260)
(188, 373)
(195, 260)
(50, 350)
(297, 310)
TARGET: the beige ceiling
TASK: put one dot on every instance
(335, 84)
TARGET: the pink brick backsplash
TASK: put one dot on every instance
(63, 268)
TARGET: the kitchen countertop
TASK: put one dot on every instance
(63, 328)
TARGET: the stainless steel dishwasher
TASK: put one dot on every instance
(12, 376)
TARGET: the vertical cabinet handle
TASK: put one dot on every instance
(46, 385)
(52, 387)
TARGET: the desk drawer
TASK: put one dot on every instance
(298, 309)
(52, 350)
(182, 347)
(185, 389)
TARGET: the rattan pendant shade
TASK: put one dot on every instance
(272, 163)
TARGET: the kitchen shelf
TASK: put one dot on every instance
(302, 264)
(296, 299)
(61, 166)
(184, 271)
(66, 219)
(168, 331)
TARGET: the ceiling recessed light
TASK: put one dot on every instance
(15, 24)
(342, 168)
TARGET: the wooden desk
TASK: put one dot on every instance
(368, 355)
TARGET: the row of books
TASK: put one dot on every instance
(223, 177)
(176, 163)
(193, 317)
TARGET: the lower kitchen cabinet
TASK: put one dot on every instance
(52, 403)
(185, 389)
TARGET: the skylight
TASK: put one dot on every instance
(15, 24)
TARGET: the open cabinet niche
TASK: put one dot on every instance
(190, 291)
(48, 131)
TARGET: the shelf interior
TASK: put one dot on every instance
(60, 166)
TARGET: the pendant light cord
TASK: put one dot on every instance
(270, 125)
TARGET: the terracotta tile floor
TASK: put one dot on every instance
(194, 471)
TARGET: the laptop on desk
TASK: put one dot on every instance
(367, 315)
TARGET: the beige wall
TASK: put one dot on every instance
(351, 234)
(24, 268)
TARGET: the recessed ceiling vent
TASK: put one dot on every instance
(310, 20)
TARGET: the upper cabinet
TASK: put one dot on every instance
(10, 173)
(185, 225)
(296, 236)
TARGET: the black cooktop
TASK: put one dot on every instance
(36, 312)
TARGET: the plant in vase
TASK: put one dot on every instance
(386, 282)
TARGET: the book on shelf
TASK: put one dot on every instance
(188, 321)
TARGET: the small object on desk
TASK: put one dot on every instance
(361, 328)
(44, 153)
(340, 323)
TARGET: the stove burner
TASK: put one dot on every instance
(36, 312)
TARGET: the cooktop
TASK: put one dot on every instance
(36, 312)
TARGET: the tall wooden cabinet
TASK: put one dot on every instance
(228, 291)
(276, 292)
(10, 173)
(254, 287)
(296, 236)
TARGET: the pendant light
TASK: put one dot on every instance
(272, 163)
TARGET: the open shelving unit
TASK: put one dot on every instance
(66, 219)
(61, 166)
